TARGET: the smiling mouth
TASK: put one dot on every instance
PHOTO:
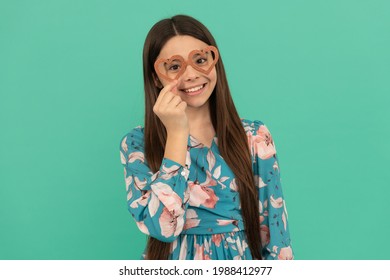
(194, 89)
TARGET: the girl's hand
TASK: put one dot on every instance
(170, 109)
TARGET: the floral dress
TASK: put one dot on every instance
(196, 207)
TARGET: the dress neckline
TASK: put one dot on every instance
(195, 143)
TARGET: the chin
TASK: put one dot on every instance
(197, 104)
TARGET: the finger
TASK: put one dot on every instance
(174, 90)
(182, 105)
(167, 98)
(174, 101)
(169, 86)
(163, 92)
(162, 96)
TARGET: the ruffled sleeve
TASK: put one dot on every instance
(157, 201)
(274, 228)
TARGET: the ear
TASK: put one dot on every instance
(156, 80)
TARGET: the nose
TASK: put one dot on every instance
(190, 74)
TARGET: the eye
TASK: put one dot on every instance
(174, 67)
(201, 60)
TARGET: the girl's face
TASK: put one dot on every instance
(194, 87)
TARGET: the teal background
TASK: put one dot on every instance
(315, 72)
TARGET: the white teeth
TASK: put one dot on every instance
(194, 89)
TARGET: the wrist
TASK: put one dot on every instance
(178, 133)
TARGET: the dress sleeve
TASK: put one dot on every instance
(157, 201)
(274, 228)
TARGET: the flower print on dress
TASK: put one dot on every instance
(276, 203)
(285, 253)
(202, 220)
(124, 148)
(200, 252)
(168, 172)
(262, 143)
(168, 197)
(170, 223)
(216, 239)
(140, 184)
(226, 222)
(142, 227)
(191, 219)
(142, 201)
(203, 194)
(233, 185)
(264, 235)
(259, 181)
(217, 171)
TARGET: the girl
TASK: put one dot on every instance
(201, 182)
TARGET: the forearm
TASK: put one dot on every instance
(176, 147)
(158, 202)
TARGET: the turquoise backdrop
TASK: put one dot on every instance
(316, 73)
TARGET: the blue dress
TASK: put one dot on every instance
(196, 207)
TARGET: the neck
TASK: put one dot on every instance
(198, 117)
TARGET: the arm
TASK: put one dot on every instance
(274, 229)
(156, 201)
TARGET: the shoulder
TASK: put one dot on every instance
(134, 138)
(252, 127)
(259, 138)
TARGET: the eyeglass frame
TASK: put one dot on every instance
(188, 62)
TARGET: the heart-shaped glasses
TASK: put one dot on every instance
(201, 60)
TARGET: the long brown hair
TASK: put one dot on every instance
(232, 140)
